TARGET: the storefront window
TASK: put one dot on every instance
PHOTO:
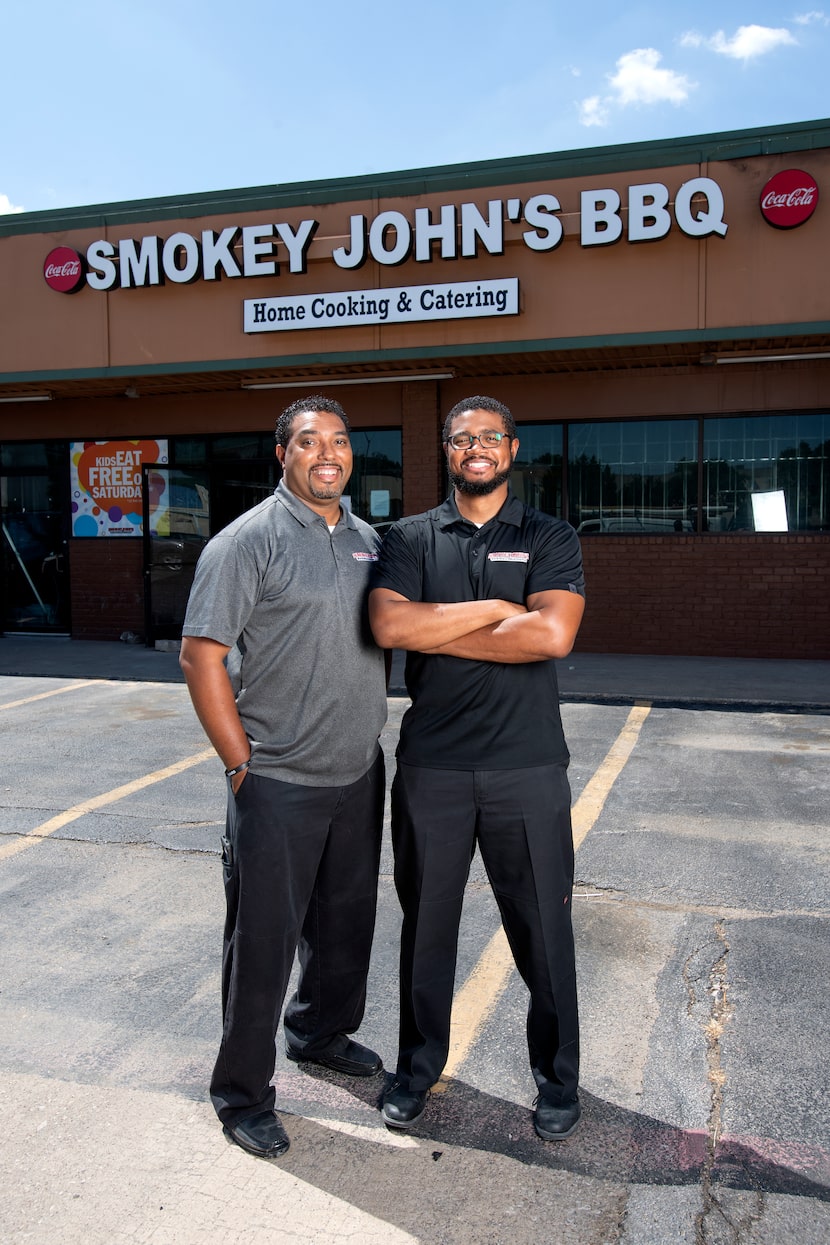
(376, 486)
(760, 464)
(243, 445)
(537, 471)
(24, 455)
(188, 451)
(638, 476)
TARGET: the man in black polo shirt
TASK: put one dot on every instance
(483, 592)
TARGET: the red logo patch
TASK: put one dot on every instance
(789, 198)
(63, 270)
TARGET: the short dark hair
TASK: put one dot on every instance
(478, 403)
(285, 423)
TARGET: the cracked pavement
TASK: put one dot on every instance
(701, 912)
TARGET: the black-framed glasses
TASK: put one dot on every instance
(466, 440)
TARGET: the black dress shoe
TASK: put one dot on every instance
(343, 1055)
(402, 1107)
(261, 1134)
(555, 1123)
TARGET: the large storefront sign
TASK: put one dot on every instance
(403, 304)
(646, 212)
(105, 481)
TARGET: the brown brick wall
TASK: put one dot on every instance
(421, 420)
(721, 596)
(107, 587)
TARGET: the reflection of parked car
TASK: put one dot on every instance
(635, 523)
(172, 567)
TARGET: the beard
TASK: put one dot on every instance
(479, 488)
(326, 492)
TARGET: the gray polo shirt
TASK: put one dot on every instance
(290, 599)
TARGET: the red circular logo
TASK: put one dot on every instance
(63, 270)
(789, 198)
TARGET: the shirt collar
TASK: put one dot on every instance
(511, 512)
(304, 514)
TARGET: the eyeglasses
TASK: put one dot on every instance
(466, 440)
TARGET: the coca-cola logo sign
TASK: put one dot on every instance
(789, 198)
(63, 270)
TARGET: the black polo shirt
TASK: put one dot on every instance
(480, 714)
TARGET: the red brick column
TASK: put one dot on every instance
(106, 574)
(421, 435)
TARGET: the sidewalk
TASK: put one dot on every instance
(595, 678)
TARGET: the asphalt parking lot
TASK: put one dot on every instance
(702, 926)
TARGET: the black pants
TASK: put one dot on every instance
(302, 876)
(521, 820)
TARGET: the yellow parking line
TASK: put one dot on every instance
(100, 801)
(72, 687)
(592, 800)
(477, 998)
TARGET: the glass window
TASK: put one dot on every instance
(188, 451)
(27, 454)
(638, 476)
(747, 461)
(376, 486)
(537, 472)
(243, 445)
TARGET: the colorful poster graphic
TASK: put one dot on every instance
(106, 486)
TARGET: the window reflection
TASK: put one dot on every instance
(634, 476)
(376, 487)
(537, 472)
(756, 456)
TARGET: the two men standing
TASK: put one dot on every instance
(483, 593)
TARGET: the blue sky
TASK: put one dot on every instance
(107, 100)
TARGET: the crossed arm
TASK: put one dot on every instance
(489, 630)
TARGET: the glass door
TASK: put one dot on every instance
(176, 529)
(35, 564)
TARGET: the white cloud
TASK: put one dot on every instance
(638, 80)
(746, 43)
(7, 207)
(593, 111)
(808, 19)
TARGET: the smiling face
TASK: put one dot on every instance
(480, 469)
(317, 462)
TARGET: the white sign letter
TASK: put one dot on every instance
(700, 223)
(426, 232)
(252, 248)
(600, 208)
(175, 244)
(474, 228)
(547, 231)
(297, 243)
(102, 273)
(356, 257)
(218, 251)
(139, 267)
(378, 230)
(648, 219)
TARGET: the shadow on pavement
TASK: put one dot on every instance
(612, 1145)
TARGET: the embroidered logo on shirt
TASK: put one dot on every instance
(508, 557)
(365, 557)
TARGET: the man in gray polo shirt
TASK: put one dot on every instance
(290, 688)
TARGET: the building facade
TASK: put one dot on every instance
(656, 315)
